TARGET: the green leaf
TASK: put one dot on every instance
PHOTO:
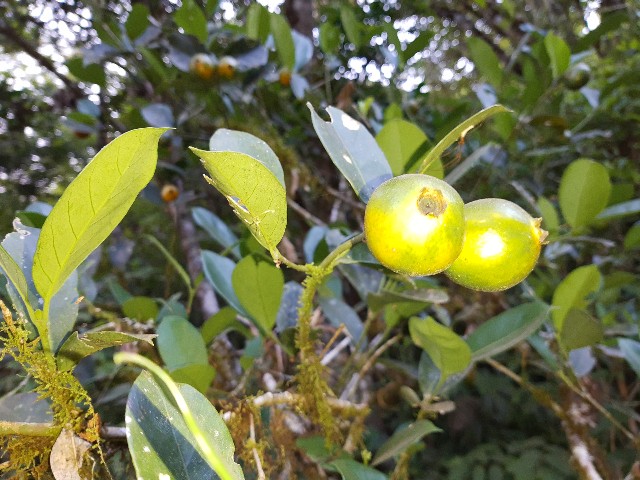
(224, 319)
(402, 439)
(573, 291)
(584, 192)
(609, 23)
(460, 131)
(485, 60)
(352, 470)
(579, 329)
(140, 308)
(198, 375)
(507, 329)
(160, 442)
(218, 270)
(631, 352)
(449, 352)
(352, 26)
(180, 343)
(217, 229)
(79, 346)
(92, 73)
(550, 220)
(329, 38)
(284, 41)
(353, 150)
(258, 286)
(418, 45)
(93, 204)
(619, 210)
(558, 52)
(258, 23)
(14, 274)
(632, 237)
(191, 19)
(137, 21)
(404, 144)
(253, 191)
(225, 140)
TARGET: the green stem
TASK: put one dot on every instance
(210, 454)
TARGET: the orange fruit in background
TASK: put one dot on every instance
(414, 224)
(202, 66)
(501, 246)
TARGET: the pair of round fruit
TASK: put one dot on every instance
(418, 225)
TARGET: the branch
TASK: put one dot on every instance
(14, 37)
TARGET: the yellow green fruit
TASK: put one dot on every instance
(227, 67)
(414, 224)
(202, 66)
(501, 246)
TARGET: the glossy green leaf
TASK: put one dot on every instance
(218, 270)
(402, 439)
(573, 291)
(579, 329)
(224, 319)
(353, 150)
(507, 329)
(137, 21)
(448, 351)
(404, 145)
(283, 39)
(217, 229)
(161, 443)
(253, 191)
(140, 308)
(180, 343)
(584, 192)
(258, 285)
(79, 346)
(191, 19)
(485, 60)
(550, 219)
(258, 23)
(352, 470)
(225, 140)
(198, 375)
(93, 204)
(338, 312)
(559, 53)
(329, 38)
(459, 131)
(12, 271)
(631, 352)
(619, 210)
(351, 25)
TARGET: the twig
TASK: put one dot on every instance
(287, 398)
(256, 455)
(300, 210)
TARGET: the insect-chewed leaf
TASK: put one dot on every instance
(253, 191)
(93, 204)
(353, 150)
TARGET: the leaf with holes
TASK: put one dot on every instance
(253, 191)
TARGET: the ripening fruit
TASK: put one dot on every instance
(202, 65)
(414, 224)
(227, 67)
(284, 77)
(169, 193)
(501, 246)
(577, 76)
